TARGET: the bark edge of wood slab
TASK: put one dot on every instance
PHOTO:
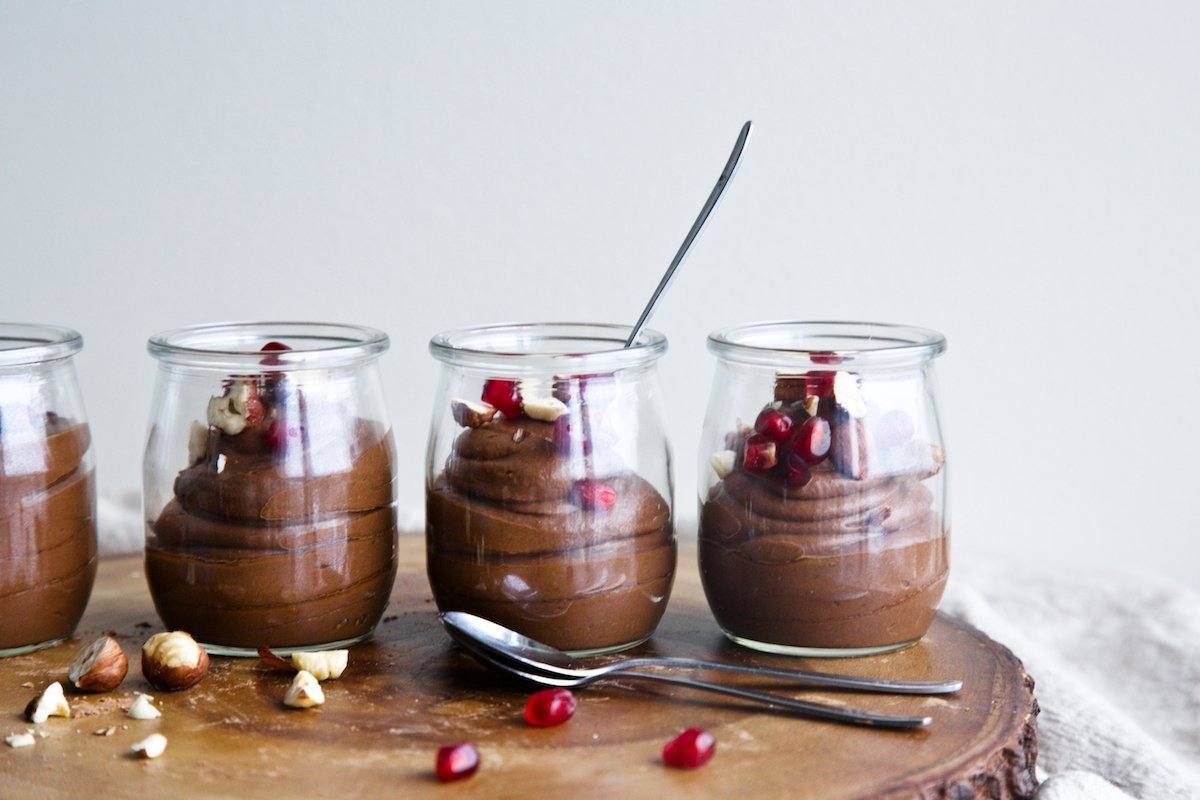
(409, 690)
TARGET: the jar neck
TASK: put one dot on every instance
(798, 346)
(22, 346)
(289, 346)
(542, 349)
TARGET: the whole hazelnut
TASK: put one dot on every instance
(173, 661)
(99, 667)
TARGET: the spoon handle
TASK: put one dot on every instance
(853, 716)
(802, 677)
(709, 205)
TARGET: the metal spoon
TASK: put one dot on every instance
(530, 654)
(709, 205)
(804, 708)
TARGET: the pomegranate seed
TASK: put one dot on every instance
(825, 357)
(272, 347)
(568, 439)
(895, 429)
(456, 761)
(592, 494)
(549, 707)
(504, 396)
(796, 472)
(773, 424)
(812, 440)
(819, 382)
(758, 454)
(690, 749)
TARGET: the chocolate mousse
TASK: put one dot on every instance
(823, 532)
(282, 529)
(536, 524)
(47, 527)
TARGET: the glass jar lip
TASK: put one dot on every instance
(225, 345)
(819, 343)
(570, 348)
(24, 343)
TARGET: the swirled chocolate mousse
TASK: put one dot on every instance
(535, 524)
(282, 529)
(47, 527)
(822, 532)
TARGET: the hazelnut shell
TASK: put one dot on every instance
(99, 667)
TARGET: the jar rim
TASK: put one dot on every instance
(819, 343)
(558, 347)
(237, 344)
(26, 343)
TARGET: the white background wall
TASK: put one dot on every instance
(1021, 175)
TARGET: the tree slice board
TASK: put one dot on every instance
(409, 690)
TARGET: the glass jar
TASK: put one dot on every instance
(270, 485)
(47, 489)
(823, 527)
(549, 494)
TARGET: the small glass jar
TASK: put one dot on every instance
(47, 489)
(549, 489)
(270, 485)
(823, 527)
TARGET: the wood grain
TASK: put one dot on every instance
(409, 690)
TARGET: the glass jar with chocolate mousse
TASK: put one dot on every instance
(47, 489)
(548, 503)
(269, 485)
(823, 528)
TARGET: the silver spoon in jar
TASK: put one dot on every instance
(709, 205)
(804, 708)
(530, 654)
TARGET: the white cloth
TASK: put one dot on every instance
(1116, 658)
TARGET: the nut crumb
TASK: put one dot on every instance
(305, 691)
(20, 740)
(150, 747)
(27, 685)
(109, 731)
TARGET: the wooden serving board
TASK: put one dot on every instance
(410, 690)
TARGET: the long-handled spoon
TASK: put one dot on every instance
(534, 656)
(709, 205)
(803, 708)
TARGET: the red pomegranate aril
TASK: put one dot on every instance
(758, 454)
(549, 707)
(774, 424)
(504, 396)
(594, 495)
(272, 347)
(819, 382)
(456, 761)
(690, 749)
(812, 440)
(796, 472)
(825, 357)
